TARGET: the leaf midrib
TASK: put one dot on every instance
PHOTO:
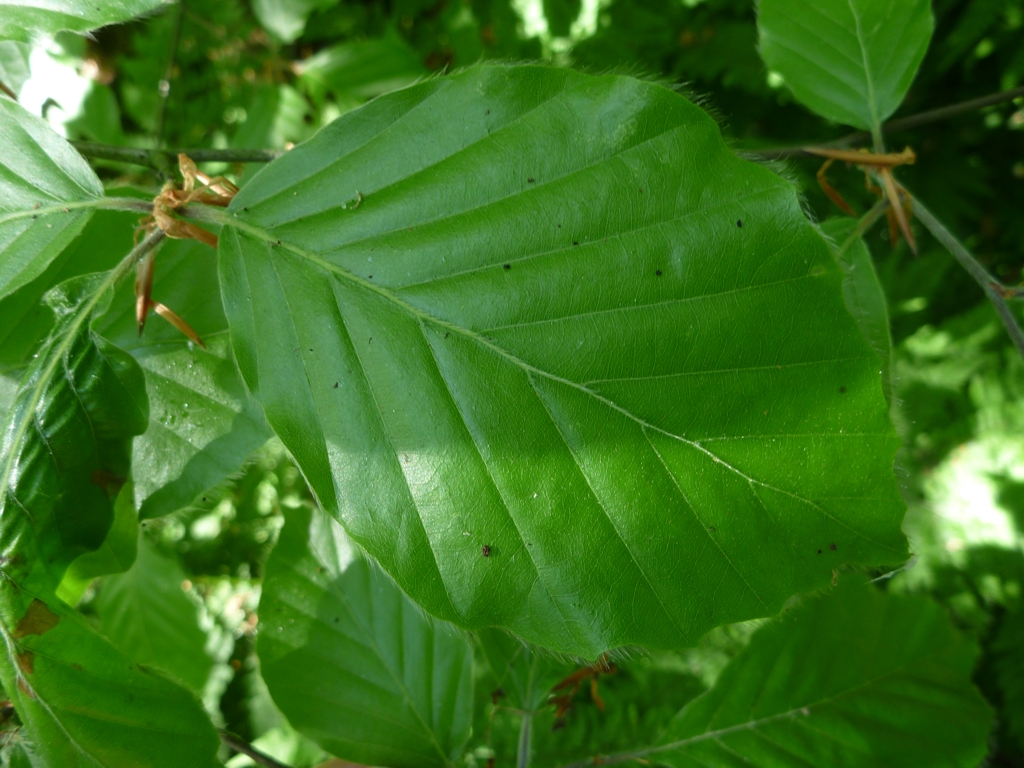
(422, 316)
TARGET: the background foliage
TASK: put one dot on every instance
(268, 75)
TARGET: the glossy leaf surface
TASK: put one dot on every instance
(86, 704)
(46, 190)
(20, 20)
(851, 61)
(145, 613)
(858, 678)
(202, 424)
(67, 442)
(353, 663)
(570, 367)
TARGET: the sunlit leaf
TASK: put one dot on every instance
(47, 191)
(858, 678)
(568, 366)
(202, 424)
(351, 661)
(84, 703)
(851, 61)
(20, 20)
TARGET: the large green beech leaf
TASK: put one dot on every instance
(857, 678)
(145, 613)
(47, 192)
(66, 449)
(851, 61)
(567, 366)
(202, 423)
(84, 703)
(351, 661)
(26, 19)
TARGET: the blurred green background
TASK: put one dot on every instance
(269, 73)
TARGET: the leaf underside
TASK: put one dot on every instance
(571, 328)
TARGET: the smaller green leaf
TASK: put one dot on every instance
(286, 19)
(351, 661)
(863, 292)
(46, 193)
(519, 671)
(855, 678)
(363, 69)
(851, 61)
(115, 555)
(67, 442)
(202, 424)
(145, 613)
(85, 703)
(20, 20)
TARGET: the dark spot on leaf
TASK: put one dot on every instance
(447, 334)
(278, 242)
(310, 349)
(487, 112)
(832, 547)
(575, 242)
(497, 696)
(529, 180)
(23, 686)
(842, 390)
(26, 662)
(739, 223)
(819, 551)
(558, 725)
(336, 384)
(38, 620)
(245, 209)
(712, 529)
(657, 272)
(507, 266)
(485, 550)
(335, 619)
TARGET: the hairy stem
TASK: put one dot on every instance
(995, 290)
(866, 222)
(238, 744)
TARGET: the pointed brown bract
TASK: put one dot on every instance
(898, 213)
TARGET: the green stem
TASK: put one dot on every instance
(131, 204)
(903, 124)
(160, 158)
(239, 744)
(994, 290)
(866, 222)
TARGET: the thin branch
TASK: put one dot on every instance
(238, 744)
(165, 84)
(158, 158)
(903, 124)
(866, 222)
(994, 289)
